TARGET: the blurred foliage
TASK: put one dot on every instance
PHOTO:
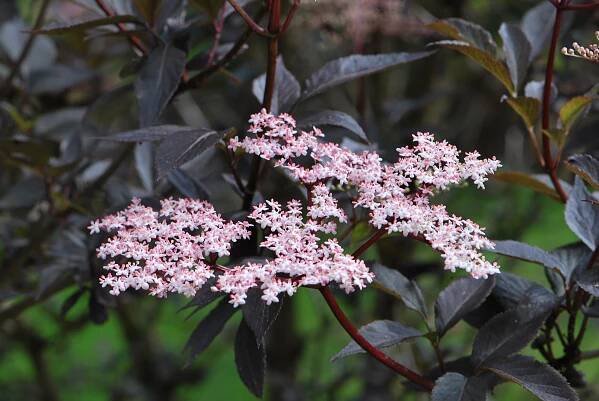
(63, 338)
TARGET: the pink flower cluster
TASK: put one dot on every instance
(176, 249)
(172, 250)
(301, 257)
(396, 194)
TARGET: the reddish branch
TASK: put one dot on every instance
(135, 41)
(550, 165)
(26, 48)
(371, 349)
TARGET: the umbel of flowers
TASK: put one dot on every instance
(177, 248)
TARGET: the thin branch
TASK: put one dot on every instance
(550, 166)
(369, 242)
(371, 349)
(290, 14)
(26, 48)
(248, 20)
(589, 355)
(135, 41)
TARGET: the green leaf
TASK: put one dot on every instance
(381, 334)
(556, 135)
(57, 29)
(573, 110)
(466, 31)
(355, 66)
(585, 166)
(485, 59)
(538, 378)
(528, 108)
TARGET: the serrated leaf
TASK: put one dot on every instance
(187, 186)
(250, 359)
(572, 257)
(157, 81)
(526, 180)
(538, 378)
(334, 118)
(355, 66)
(486, 60)
(287, 89)
(536, 25)
(381, 334)
(517, 51)
(585, 166)
(181, 147)
(574, 108)
(258, 315)
(528, 108)
(207, 330)
(466, 31)
(582, 216)
(454, 386)
(512, 291)
(396, 284)
(526, 252)
(58, 29)
(588, 280)
(506, 334)
(459, 298)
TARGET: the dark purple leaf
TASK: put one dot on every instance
(517, 51)
(381, 334)
(538, 378)
(57, 29)
(250, 359)
(336, 119)
(287, 89)
(157, 81)
(207, 330)
(187, 186)
(506, 334)
(536, 25)
(355, 66)
(582, 216)
(587, 167)
(258, 315)
(394, 283)
(453, 386)
(458, 299)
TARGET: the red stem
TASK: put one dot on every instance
(371, 349)
(550, 166)
(248, 20)
(364, 247)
